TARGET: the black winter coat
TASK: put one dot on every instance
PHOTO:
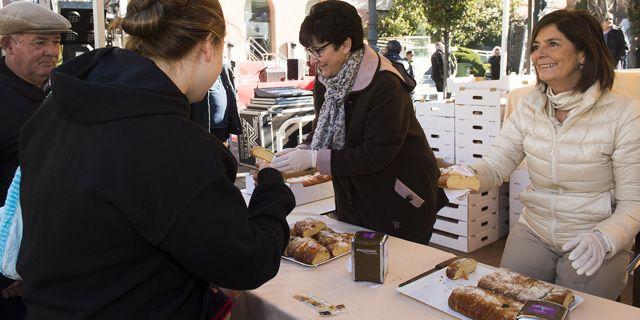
(20, 99)
(617, 43)
(384, 145)
(129, 207)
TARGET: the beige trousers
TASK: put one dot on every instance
(527, 254)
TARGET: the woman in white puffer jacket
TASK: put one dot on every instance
(582, 146)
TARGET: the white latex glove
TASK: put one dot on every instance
(295, 161)
(287, 150)
(453, 194)
(588, 252)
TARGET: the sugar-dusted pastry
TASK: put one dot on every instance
(522, 288)
(307, 227)
(461, 268)
(335, 242)
(310, 180)
(480, 304)
(307, 250)
(561, 296)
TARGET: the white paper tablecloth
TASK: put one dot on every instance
(332, 283)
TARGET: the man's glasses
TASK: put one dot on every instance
(316, 52)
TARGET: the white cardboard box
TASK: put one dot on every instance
(484, 97)
(303, 194)
(467, 212)
(513, 218)
(465, 244)
(505, 83)
(477, 127)
(435, 109)
(477, 198)
(454, 83)
(473, 143)
(440, 138)
(429, 123)
(479, 112)
(515, 206)
(467, 228)
(445, 153)
(466, 158)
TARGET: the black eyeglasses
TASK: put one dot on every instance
(317, 52)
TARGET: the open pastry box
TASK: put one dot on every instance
(304, 194)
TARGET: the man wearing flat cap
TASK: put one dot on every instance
(30, 40)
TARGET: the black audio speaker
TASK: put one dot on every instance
(80, 14)
(295, 69)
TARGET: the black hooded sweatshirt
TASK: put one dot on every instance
(129, 207)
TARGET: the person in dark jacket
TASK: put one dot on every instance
(409, 57)
(218, 111)
(437, 67)
(393, 54)
(616, 40)
(30, 38)
(494, 61)
(129, 207)
(365, 133)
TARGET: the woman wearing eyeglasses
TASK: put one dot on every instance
(365, 133)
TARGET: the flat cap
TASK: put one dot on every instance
(28, 17)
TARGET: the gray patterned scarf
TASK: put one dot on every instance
(330, 127)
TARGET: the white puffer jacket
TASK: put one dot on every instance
(585, 177)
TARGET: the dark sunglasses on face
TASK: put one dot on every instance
(317, 52)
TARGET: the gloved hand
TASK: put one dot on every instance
(287, 150)
(588, 252)
(456, 194)
(295, 161)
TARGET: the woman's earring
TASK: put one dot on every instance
(580, 66)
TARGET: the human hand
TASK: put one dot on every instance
(287, 150)
(458, 170)
(295, 161)
(458, 181)
(12, 291)
(261, 164)
(588, 251)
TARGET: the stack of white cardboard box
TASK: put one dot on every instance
(438, 121)
(475, 119)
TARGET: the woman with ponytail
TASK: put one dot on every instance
(129, 207)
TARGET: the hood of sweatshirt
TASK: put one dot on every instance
(111, 84)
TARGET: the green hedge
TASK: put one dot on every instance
(466, 55)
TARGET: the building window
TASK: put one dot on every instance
(257, 16)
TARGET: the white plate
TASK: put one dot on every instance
(321, 263)
(315, 265)
(435, 289)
